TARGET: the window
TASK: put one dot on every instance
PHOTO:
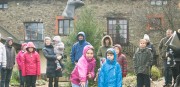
(118, 30)
(3, 5)
(155, 22)
(159, 2)
(65, 26)
(33, 31)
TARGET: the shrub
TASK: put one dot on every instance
(40, 82)
(15, 78)
(129, 81)
(155, 73)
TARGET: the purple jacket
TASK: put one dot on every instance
(83, 68)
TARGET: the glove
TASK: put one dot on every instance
(59, 57)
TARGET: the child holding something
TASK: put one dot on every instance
(84, 69)
(110, 74)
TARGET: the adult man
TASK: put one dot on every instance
(163, 50)
(77, 49)
(176, 57)
(10, 54)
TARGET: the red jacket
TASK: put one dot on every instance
(121, 59)
(31, 64)
(19, 59)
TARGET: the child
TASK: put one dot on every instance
(121, 59)
(59, 51)
(110, 74)
(31, 65)
(142, 61)
(106, 43)
(84, 69)
(19, 58)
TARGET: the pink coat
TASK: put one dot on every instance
(30, 62)
(83, 68)
(19, 58)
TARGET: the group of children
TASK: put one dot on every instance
(113, 66)
(109, 75)
(111, 72)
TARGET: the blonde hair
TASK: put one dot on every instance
(142, 40)
(47, 38)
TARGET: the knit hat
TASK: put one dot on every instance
(57, 38)
(146, 37)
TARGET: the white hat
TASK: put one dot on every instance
(146, 37)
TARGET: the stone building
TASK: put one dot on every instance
(32, 20)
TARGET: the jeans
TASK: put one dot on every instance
(5, 77)
(55, 82)
(31, 80)
(74, 85)
(167, 73)
(21, 78)
(143, 79)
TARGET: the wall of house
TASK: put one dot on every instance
(19, 11)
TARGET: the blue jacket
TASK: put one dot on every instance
(77, 49)
(110, 74)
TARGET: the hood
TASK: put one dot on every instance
(86, 48)
(23, 44)
(114, 60)
(30, 44)
(146, 37)
(57, 38)
(120, 49)
(7, 40)
(103, 40)
(81, 33)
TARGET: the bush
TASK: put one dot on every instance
(15, 78)
(155, 73)
(40, 82)
(129, 81)
(87, 23)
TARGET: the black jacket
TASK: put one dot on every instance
(49, 54)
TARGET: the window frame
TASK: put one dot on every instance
(127, 31)
(63, 27)
(3, 3)
(57, 26)
(37, 29)
(163, 2)
(159, 16)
